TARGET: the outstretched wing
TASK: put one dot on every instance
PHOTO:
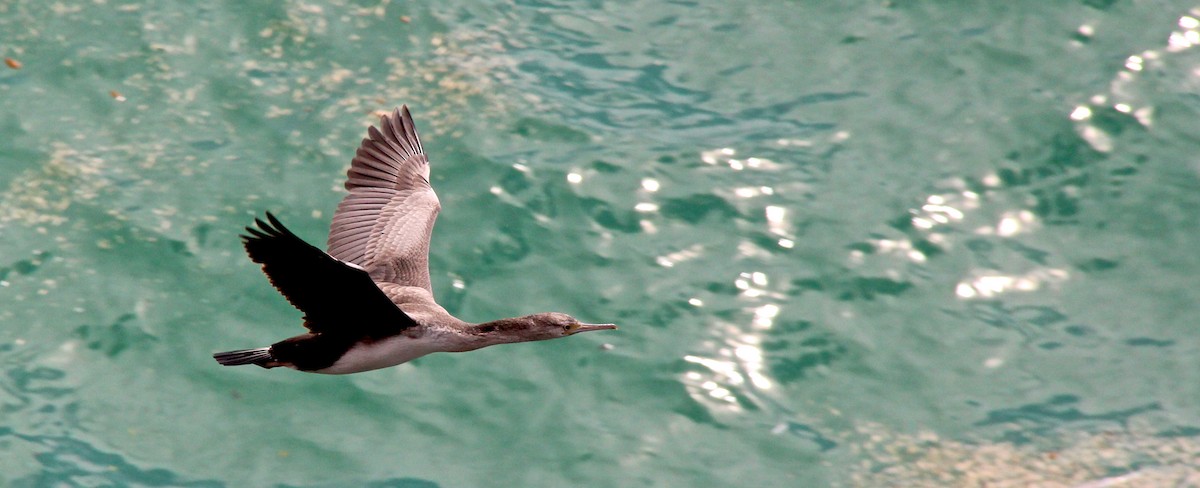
(384, 223)
(334, 296)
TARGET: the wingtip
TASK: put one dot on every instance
(263, 229)
(397, 129)
(274, 221)
(398, 115)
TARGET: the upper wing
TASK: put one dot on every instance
(334, 296)
(384, 223)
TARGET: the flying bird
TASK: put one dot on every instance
(367, 301)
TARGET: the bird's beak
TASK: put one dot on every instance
(587, 327)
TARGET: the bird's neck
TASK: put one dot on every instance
(503, 331)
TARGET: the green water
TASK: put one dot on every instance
(883, 243)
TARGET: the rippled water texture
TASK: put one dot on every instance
(876, 244)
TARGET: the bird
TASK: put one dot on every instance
(367, 301)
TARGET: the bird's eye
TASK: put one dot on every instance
(571, 328)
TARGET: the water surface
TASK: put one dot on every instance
(870, 244)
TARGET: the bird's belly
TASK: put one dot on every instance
(379, 354)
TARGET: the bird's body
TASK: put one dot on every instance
(384, 354)
(368, 302)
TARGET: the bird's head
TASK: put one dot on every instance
(556, 324)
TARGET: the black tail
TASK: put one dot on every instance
(258, 357)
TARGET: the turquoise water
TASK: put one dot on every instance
(863, 244)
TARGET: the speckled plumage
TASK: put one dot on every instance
(368, 302)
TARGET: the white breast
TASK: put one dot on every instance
(380, 354)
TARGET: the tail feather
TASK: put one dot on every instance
(259, 357)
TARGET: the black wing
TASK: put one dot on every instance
(335, 296)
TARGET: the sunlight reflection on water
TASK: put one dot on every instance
(733, 373)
